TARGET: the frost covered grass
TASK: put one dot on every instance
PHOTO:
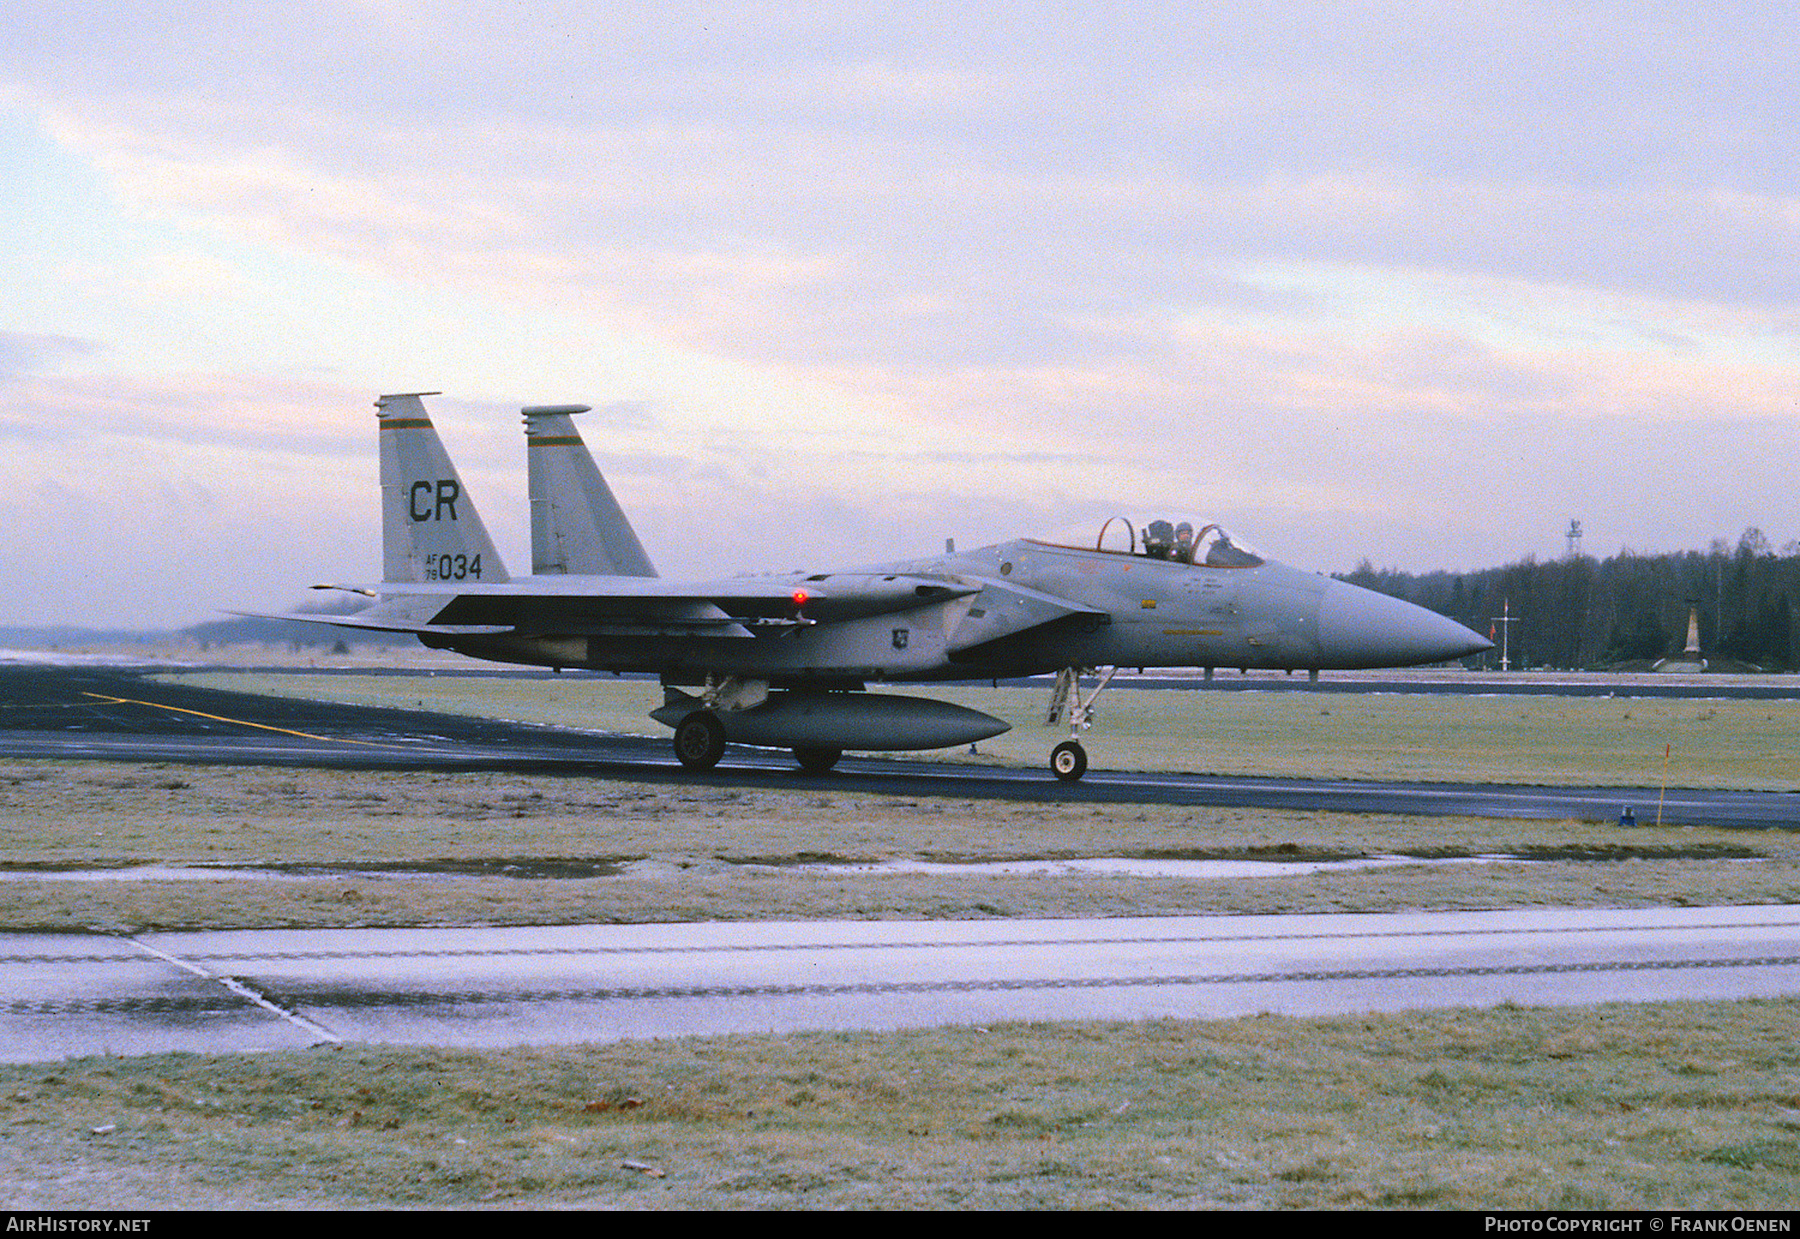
(494, 848)
(1668, 1106)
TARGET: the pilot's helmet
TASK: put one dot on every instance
(1184, 532)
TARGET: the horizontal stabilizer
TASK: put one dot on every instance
(377, 623)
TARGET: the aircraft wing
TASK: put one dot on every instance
(640, 606)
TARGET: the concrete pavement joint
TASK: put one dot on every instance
(243, 991)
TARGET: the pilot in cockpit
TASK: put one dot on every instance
(1159, 539)
(1184, 543)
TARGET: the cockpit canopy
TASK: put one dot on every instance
(1172, 538)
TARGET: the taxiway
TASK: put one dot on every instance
(113, 714)
(69, 995)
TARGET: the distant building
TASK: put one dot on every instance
(1689, 660)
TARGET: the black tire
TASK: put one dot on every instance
(700, 741)
(1068, 761)
(817, 761)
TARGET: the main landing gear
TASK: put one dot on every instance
(1068, 760)
(700, 740)
(700, 736)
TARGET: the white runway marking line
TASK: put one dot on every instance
(988, 943)
(242, 991)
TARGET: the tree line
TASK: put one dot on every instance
(1628, 609)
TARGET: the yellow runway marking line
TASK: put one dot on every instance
(219, 718)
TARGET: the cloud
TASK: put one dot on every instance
(139, 504)
(1335, 267)
(22, 353)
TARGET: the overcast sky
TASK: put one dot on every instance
(1416, 282)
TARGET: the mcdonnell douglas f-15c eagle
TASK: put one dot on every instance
(781, 661)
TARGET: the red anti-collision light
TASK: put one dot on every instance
(800, 597)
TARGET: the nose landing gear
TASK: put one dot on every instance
(1068, 760)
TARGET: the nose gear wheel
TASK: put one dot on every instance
(1068, 761)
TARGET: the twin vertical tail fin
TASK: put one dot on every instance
(577, 527)
(431, 531)
(429, 526)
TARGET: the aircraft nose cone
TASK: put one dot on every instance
(1361, 628)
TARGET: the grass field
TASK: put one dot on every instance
(1675, 1106)
(678, 853)
(1664, 1106)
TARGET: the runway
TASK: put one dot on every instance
(112, 714)
(69, 995)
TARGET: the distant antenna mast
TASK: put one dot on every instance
(1505, 620)
(1574, 537)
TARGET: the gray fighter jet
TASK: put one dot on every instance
(783, 660)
